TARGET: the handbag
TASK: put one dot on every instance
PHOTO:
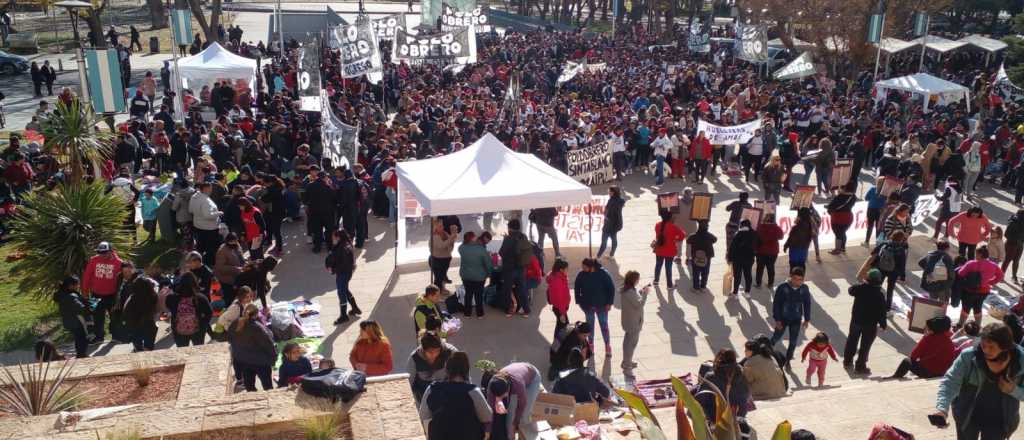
(727, 282)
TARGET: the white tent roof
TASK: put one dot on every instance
(894, 45)
(922, 83)
(797, 43)
(938, 43)
(984, 43)
(214, 63)
(485, 177)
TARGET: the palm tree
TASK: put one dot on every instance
(71, 134)
(58, 230)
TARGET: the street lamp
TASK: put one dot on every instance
(73, 6)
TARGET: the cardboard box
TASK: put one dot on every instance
(556, 409)
(590, 412)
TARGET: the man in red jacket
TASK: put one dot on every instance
(100, 280)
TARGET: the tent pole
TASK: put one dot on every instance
(590, 230)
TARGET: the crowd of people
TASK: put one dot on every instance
(236, 179)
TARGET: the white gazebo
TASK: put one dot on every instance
(891, 45)
(989, 45)
(925, 85)
(938, 44)
(213, 64)
(484, 177)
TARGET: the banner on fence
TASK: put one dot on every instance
(728, 135)
(592, 165)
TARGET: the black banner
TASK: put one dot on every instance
(699, 38)
(387, 27)
(453, 19)
(359, 51)
(309, 75)
(752, 43)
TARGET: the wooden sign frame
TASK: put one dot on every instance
(921, 310)
(755, 215)
(768, 206)
(672, 198)
(700, 209)
(890, 185)
(803, 197)
(841, 174)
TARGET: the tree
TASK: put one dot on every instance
(58, 230)
(209, 27)
(157, 14)
(71, 134)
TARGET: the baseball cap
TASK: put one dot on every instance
(103, 247)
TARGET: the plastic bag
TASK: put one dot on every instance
(727, 282)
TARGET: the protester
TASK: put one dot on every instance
(767, 250)
(342, 263)
(99, 280)
(190, 312)
(454, 408)
(252, 349)
(558, 292)
(799, 240)
(727, 375)
(294, 365)
(632, 304)
(512, 391)
(1014, 241)
(763, 375)
(969, 228)
(979, 276)
(867, 317)
(937, 278)
(665, 246)
(933, 354)
(426, 307)
(612, 221)
(890, 257)
(73, 309)
(475, 267)
(442, 242)
(138, 306)
(595, 294)
(228, 264)
(426, 363)
(255, 276)
(371, 353)
(516, 252)
(841, 210)
(581, 383)
(702, 246)
(741, 258)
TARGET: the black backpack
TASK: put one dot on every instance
(334, 384)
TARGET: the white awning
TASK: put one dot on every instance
(984, 43)
(938, 44)
(797, 43)
(893, 45)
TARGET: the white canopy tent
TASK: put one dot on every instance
(215, 63)
(925, 85)
(484, 177)
(798, 44)
(987, 44)
(891, 45)
(937, 43)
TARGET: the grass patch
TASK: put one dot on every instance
(23, 318)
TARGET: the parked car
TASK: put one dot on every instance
(12, 64)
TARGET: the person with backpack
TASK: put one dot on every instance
(977, 278)
(983, 387)
(665, 246)
(190, 312)
(252, 349)
(516, 252)
(969, 228)
(595, 294)
(791, 310)
(342, 263)
(937, 278)
(73, 309)
(454, 408)
(866, 318)
(702, 248)
(890, 258)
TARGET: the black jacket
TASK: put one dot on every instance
(583, 385)
(869, 305)
(253, 344)
(138, 301)
(613, 214)
(544, 216)
(320, 199)
(204, 312)
(741, 249)
(72, 308)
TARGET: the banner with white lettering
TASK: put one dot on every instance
(309, 76)
(786, 218)
(454, 19)
(752, 43)
(454, 45)
(800, 67)
(386, 28)
(569, 72)
(359, 51)
(1006, 88)
(340, 140)
(924, 208)
(591, 165)
(728, 135)
(699, 37)
(579, 225)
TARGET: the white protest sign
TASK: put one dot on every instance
(728, 135)
(569, 72)
(576, 228)
(798, 68)
(826, 236)
(591, 165)
(924, 208)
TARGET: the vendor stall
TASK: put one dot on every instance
(925, 85)
(215, 63)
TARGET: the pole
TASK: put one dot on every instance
(924, 42)
(878, 46)
(179, 100)
(615, 15)
(590, 230)
(280, 32)
(83, 81)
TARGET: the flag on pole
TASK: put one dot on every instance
(181, 26)
(920, 24)
(875, 28)
(104, 77)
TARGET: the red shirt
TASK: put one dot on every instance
(671, 236)
(100, 275)
(935, 352)
(18, 175)
(768, 235)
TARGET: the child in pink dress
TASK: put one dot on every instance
(819, 349)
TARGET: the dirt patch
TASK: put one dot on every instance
(122, 389)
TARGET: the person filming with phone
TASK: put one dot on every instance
(983, 388)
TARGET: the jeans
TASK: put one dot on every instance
(514, 278)
(667, 261)
(967, 250)
(197, 338)
(874, 215)
(797, 258)
(808, 170)
(743, 269)
(605, 236)
(861, 336)
(392, 205)
(474, 293)
(549, 231)
(99, 315)
(969, 182)
(251, 372)
(81, 341)
(824, 178)
(794, 336)
(532, 391)
(341, 281)
(659, 170)
(766, 263)
(602, 319)
(700, 275)
(143, 339)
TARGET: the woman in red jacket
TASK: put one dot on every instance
(558, 294)
(665, 245)
(768, 235)
(933, 354)
(700, 153)
(969, 228)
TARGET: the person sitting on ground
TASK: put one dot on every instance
(426, 306)
(933, 354)
(577, 337)
(426, 363)
(727, 374)
(967, 336)
(762, 372)
(580, 382)
(371, 353)
(294, 365)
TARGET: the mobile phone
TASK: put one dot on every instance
(937, 420)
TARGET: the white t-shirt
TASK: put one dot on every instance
(618, 144)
